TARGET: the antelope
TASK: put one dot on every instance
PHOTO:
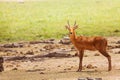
(83, 43)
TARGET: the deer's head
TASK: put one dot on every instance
(71, 29)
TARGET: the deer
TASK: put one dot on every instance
(93, 43)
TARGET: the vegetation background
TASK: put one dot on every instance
(41, 19)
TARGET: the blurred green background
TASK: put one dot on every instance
(42, 19)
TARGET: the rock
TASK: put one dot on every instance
(17, 65)
(13, 45)
(58, 66)
(118, 42)
(65, 69)
(21, 52)
(9, 66)
(117, 52)
(111, 47)
(82, 78)
(54, 54)
(85, 55)
(42, 73)
(65, 40)
(8, 46)
(50, 41)
(96, 54)
(98, 78)
(12, 58)
(49, 47)
(9, 50)
(30, 52)
(34, 42)
(42, 49)
(117, 46)
(16, 45)
(68, 68)
(76, 54)
(88, 78)
(58, 54)
(89, 66)
(15, 68)
(42, 69)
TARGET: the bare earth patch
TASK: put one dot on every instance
(58, 66)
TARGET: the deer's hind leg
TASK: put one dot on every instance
(104, 53)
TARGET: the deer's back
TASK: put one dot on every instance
(90, 43)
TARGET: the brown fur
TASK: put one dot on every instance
(88, 43)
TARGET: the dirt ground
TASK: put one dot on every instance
(57, 67)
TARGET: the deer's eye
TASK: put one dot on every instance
(70, 32)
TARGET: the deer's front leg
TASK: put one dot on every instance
(80, 55)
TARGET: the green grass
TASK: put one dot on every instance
(34, 20)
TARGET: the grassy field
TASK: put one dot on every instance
(34, 20)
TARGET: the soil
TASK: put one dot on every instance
(55, 60)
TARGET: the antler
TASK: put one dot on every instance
(68, 23)
(75, 26)
(75, 23)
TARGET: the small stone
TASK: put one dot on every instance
(118, 42)
(30, 52)
(71, 66)
(82, 78)
(85, 55)
(117, 46)
(65, 40)
(15, 69)
(48, 47)
(90, 78)
(9, 66)
(17, 65)
(89, 66)
(65, 69)
(68, 68)
(98, 78)
(96, 54)
(76, 54)
(21, 52)
(42, 73)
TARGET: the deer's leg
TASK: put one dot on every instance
(81, 53)
(104, 53)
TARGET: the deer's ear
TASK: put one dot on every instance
(67, 27)
(75, 27)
